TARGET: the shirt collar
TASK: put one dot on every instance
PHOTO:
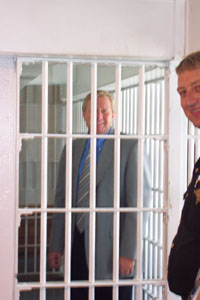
(100, 141)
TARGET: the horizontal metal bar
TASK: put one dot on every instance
(156, 80)
(28, 211)
(195, 137)
(28, 136)
(52, 284)
(90, 60)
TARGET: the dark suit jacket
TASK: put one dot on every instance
(104, 198)
(184, 258)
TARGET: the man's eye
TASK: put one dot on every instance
(197, 88)
(182, 93)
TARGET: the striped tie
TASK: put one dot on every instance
(83, 192)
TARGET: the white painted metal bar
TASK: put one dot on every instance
(197, 144)
(160, 216)
(97, 209)
(68, 181)
(116, 200)
(61, 284)
(140, 177)
(153, 109)
(157, 109)
(127, 100)
(131, 110)
(163, 113)
(123, 115)
(190, 158)
(97, 60)
(26, 232)
(160, 174)
(164, 158)
(147, 112)
(18, 149)
(92, 214)
(83, 135)
(135, 110)
(35, 259)
(44, 162)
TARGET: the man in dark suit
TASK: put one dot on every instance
(184, 259)
(104, 198)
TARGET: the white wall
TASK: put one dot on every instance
(193, 40)
(7, 175)
(137, 28)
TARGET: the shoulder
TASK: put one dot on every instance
(127, 143)
(78, 142)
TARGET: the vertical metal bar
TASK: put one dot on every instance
(44, 162)
(140, 177)
(17, 215)
(162, 110)
(161, 174)
(35, 218)
(157, 108)
(131, 110)
(197, 144)
(152, 109)
(135, 111)
(26, 244)
(148, 86)
(127, 101)
(92, 179)
(190, 158)
(68, 179)
(165, 174)
(116, 182)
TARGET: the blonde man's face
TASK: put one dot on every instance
(105, 114)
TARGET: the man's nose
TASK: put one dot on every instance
(99, 114)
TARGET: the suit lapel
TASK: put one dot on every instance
(105, 158)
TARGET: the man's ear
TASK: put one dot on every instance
(83, 115)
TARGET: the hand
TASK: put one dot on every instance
(126, 265)
(55, 259)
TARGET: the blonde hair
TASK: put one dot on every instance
(189, 63)
(100, 93)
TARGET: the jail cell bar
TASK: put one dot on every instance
(142, 109)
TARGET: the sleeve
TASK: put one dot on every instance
(184, 258)
(128, 234)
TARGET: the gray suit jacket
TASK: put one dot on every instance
(104, 198)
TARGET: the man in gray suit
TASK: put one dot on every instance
(104, 198)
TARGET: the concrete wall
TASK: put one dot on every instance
(7, 174)
(193, 25)
(137, 28)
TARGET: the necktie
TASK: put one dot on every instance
(83, 192)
